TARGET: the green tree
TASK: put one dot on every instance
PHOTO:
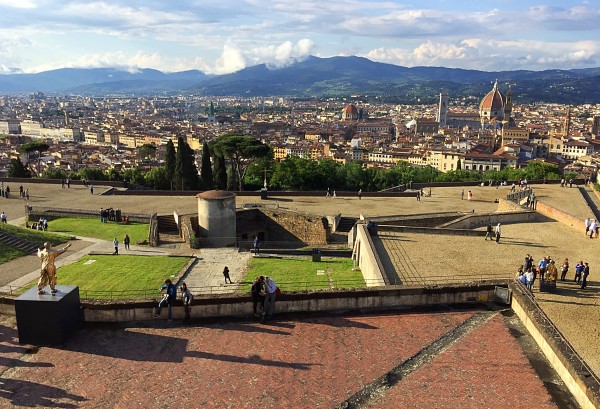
(241, 151)
(146, 151)
(37, 147)
(133, 176)
(206, 167)
(220, 172)
(186, 172)
(54, 173)
(156, 178)
(114, 174)
(17, 169)
(91, 174)
(170, 158)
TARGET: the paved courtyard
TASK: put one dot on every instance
(242, 364)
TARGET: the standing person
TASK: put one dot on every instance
(256, 244)
(26, 196)
(586, 273)
(126, 241)
(542, 265)
(593, 227)
(588, 223)
(359, 194)
(488, 232)
(498, 233)
(91, 189)
(167, 300)
(187, 302)
(68, 183)
(564, 269)
(271, 289)
(226, 275)
(116, 246)
(528, 262)
(48, 271)
(469, 195)
(3, 217)
(20, 190)
(328, 194)
(258, 292)
(529, 277)
(578, 271)
(62, 183)
(462, 194)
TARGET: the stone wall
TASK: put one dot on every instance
(562, 356)
(473, 221)
(367, 258)
(508, 206)
(559, 215)
(282, 226)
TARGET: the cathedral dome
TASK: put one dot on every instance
(349, 113)
(492, 105)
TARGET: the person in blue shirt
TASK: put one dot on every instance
(167, 300)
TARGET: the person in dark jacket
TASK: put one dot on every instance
(258, 292)
(167, 300)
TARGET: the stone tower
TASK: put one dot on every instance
(442, 113)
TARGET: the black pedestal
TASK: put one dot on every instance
(48, 319)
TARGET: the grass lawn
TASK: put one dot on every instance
(8, 253)
(107, 276)
(35, 236)
(92, 227)
(296, 274)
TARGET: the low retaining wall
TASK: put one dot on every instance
(429, 230)
(473, 221)
(560, 216)
(381, 298)
(573, 371)
(367, 258)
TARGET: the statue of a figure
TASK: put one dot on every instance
(48, 271)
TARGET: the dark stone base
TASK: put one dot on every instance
(47, 319)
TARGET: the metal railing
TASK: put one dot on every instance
(243, 287)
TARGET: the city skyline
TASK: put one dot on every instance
(39, 35)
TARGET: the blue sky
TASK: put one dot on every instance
(227, 35)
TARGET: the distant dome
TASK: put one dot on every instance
(349, 113)
(492, 105)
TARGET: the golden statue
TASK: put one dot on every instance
(48, 271)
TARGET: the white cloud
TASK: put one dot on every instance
(493, 55)
(118, 59)
(234, 58)
(18, 4)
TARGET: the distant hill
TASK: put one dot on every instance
(321, 77)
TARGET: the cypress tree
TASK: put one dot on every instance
(170, 163)
(220, 172)
(206, 168)
(179, 175)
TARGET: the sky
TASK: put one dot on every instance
(219, 37)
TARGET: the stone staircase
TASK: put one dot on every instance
(168, 233)
(346, 224)
(18, 242)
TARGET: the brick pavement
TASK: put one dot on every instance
(304, 362)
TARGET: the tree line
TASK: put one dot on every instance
(238, 162)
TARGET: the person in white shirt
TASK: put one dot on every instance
(593, 228)
(271, 289)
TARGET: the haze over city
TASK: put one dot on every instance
(226, 36)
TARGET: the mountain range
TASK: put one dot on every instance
(319, 77)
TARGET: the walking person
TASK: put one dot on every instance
(92, 189)
(588, 223)
(462, 194)
(586, 273)
(126, 241)
(226, 275)
(498, 233)
(3, 217)
(167, 300)
(488, 232)
(116, 246)
(359, 194)
(469, 195)
(593, 228)
(188, 298)
(564, 269)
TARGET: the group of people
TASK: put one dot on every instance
(5, 192)
(546, 271)
(42, 224)
(126, 242)
(264, 293)
(491, 233)
(23, 193)
(64, 182)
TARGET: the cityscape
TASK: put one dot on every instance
(490, 134)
